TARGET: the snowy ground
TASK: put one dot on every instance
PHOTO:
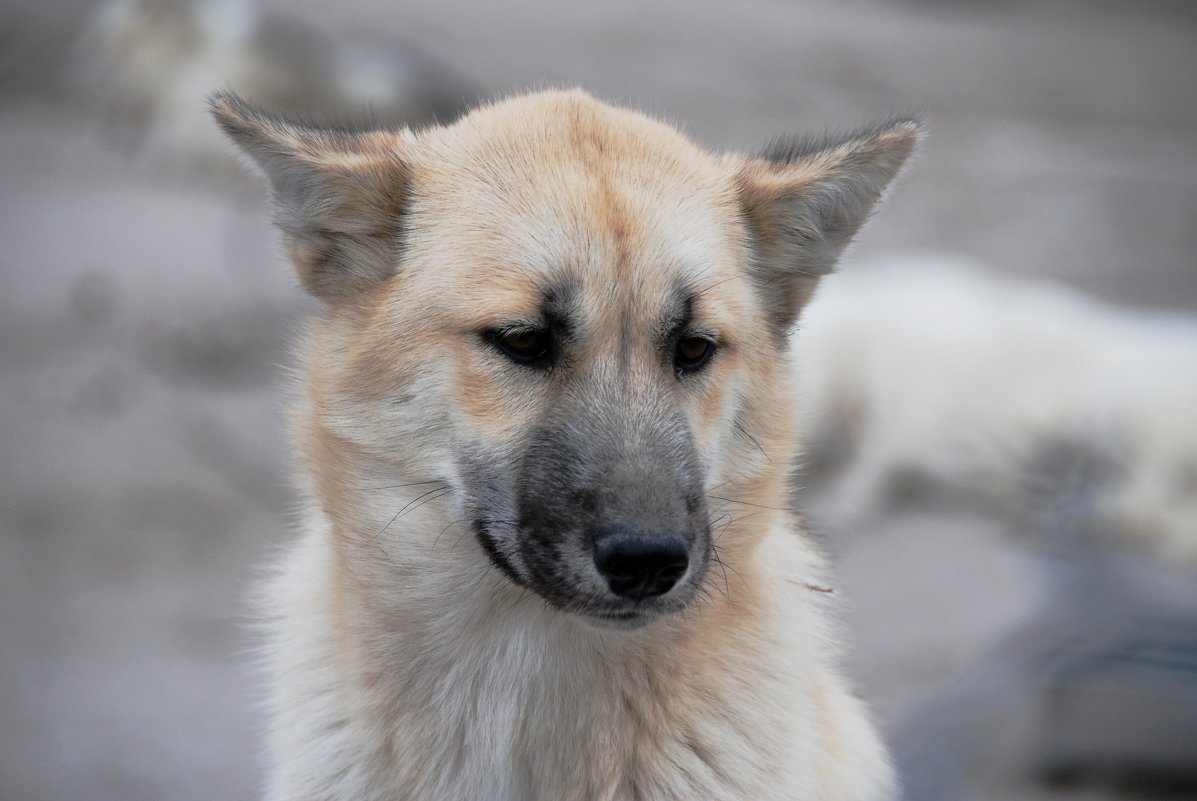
(144, 315)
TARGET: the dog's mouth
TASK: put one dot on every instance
(622, 621)
(626, 616)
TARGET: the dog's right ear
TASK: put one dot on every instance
(805, 199)
(338, 195)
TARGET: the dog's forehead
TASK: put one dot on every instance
(561, 191)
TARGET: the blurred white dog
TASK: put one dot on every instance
(937, 369)
(150, 66)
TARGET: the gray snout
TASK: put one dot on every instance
(611, 514)
(639, 565)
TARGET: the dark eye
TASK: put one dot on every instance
(692, 354)
(527, 346)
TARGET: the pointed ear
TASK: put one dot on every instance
(805, 200)
(338, 195)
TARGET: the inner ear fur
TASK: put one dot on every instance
(804, 200)
(338, 195)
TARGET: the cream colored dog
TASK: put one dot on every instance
(547, 427)
(932, 367)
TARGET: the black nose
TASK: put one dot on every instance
(641, 567)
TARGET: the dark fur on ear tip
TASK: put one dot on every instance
(249, 125)
(786, 150)
(227, 105)
(237, 116)
(241, 118)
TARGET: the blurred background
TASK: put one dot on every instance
(1000, 387)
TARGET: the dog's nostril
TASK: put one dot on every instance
(639, 568)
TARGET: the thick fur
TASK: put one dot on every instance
(438, 629)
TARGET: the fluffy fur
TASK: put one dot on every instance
(433, 636)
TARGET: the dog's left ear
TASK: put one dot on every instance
(338, 195)
(804, 200)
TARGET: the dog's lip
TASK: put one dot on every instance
(628, 615)
(640, 615)
(620, 620)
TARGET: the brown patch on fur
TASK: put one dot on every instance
(591, 150)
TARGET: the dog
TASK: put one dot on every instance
(147, 66)
(1069, 414)
(546, 428)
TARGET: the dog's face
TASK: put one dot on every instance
(571, 316)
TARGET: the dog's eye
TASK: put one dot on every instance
(527, 346)
(692, 354)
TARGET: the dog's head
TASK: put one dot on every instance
(569, 314)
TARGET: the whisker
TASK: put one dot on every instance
(452, 523)
(726, 566)
(465, 533)
(736, 477)
(723, 570)
(443, 490)
(707, 289)
(749, 503)
(488, 522)
(743, 431)
(412, 484)
(481, 578)
(715, 521)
